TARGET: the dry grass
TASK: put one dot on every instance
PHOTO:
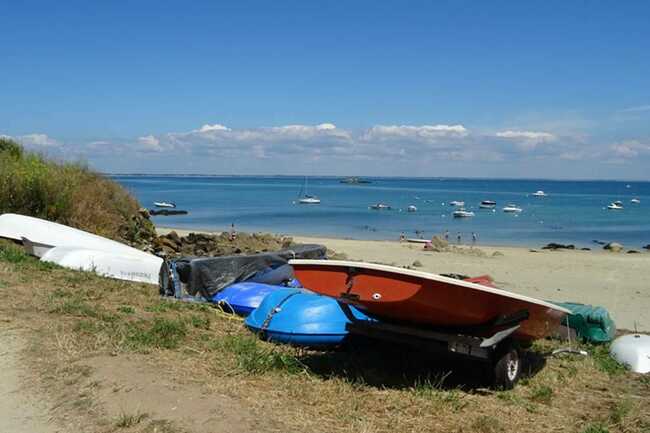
(74, 316)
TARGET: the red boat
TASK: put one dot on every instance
(418, 298)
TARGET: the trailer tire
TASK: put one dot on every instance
(506, 367)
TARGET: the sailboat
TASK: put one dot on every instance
(304, 198)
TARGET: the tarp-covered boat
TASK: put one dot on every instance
(297, 317)
(419, 298)
(206, 276)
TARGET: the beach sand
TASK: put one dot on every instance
(619, 282)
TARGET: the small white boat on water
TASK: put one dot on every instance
(539, 193)
(167, 204)
(617, 205)
(309, 199)
(412, 208)
(635, 201)
(512, 208)
(462, 213)
(457, 203)
(380, 206)
(488, 204)
(304, 198)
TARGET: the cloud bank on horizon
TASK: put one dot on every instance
(325, 148)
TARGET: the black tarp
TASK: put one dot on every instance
(209, 275)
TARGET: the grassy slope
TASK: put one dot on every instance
(73, 316)
(68, 193)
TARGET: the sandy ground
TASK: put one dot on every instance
(20, 410)
(619, 282)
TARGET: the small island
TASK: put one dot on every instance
(353, 180)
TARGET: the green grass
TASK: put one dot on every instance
(254, 357)
(596, 428)
(12, 253)
(604, 362)
(161, 333)
(129, 420)
(542, 394)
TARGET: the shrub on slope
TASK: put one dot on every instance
(68, 193)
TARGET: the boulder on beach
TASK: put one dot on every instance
(614, 247)
(647, 247)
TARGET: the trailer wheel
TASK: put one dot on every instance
(506, 367)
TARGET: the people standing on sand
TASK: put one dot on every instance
(402, 237)
(458, 237)
(447, 235)
(474, 238)
(233, 233)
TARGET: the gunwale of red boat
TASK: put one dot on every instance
(423, 298)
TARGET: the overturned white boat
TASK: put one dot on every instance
(107, 264)
(633, 351)
(43, 237)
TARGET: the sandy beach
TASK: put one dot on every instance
(619, 282)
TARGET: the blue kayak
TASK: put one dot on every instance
(242, 298)
(301, 318)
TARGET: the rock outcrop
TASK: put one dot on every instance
(614, 247)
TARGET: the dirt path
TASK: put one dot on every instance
(20, 410)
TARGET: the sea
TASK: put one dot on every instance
(573, 212)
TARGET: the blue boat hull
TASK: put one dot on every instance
(243, 298)
(301, 318)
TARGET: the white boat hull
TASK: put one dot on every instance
(632, 350)
(35, 248)
(16, 227)
(107, 264)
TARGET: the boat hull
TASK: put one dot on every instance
(396, 294)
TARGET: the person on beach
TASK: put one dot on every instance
(474, 238)
(447, 235)
(458, 238)
(402, 237)
(233, 233)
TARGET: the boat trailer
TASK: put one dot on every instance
(499, 352)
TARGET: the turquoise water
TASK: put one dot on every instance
(573, 212)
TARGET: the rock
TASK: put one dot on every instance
(555, 246)
(532, 251)
(144, 213)
(647, 247)
(166, 244)
(173, 236)
(614, 247)
(497, 254)
(633, 252)
(585, 249)
(416, 264)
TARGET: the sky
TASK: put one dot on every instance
(546, 89)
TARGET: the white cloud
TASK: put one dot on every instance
(38, 141)
(526, 141)
(425, 133)
(211, 128)
(149, 143)
(629, 149)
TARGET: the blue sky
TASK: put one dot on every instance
(517, 89)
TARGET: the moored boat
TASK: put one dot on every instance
(512, 208)
(488, 204)
(164, 204)
(539, 193)
(635, 201)
(419, 298)
(380, 206)
(412, 208)
(456, 203)
(617, 205)
(462, 213)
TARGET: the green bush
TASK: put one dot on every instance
(68, 193)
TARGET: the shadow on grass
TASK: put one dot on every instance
(382, 365)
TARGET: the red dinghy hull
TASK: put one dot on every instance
(419, 298)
